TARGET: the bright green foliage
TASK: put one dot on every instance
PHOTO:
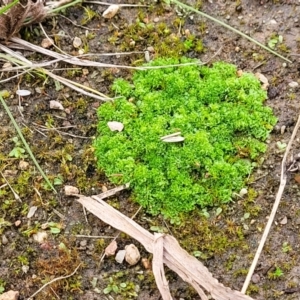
(220, 115)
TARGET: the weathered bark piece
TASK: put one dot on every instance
(177, 259)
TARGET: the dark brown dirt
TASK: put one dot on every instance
(26, 265)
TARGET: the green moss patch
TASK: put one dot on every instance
(220, 115)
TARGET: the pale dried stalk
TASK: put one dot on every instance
(177, 259)
(274, 209)
(54, 280)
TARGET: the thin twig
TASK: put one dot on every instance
(17, 197)
(274, 209)
(54, 280)
(121, 5)
(79, 26)
(94, 236)
(112, 192)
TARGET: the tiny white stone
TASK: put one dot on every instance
(23, 93)
(272, 22)
(40, 236)
(31, 211)
(293, 84)
(243, 192)
(120, 256)
(111, 11)
(56, 105)
(77, 42)
(47, 42)
(147, 56)
(25, 269)
(71, 190)
(115, 126)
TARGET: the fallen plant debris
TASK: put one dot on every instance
(22, 13)
(166, 250)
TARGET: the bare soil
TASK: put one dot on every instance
(62, 143)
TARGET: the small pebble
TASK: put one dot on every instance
(18, 223)
(111, 248)
(83, 243)
(255, 278)
(156, 20)
(150, 49)
(77, 42)
(132, 255)
(71, 190)
(40, 236)
(23, 165)
(293, 84)
(120, 256)
(111, 11)
(47, 43)
(272, 22)
(4, 239)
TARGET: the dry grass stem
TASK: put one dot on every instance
(16, 196)
(177, 259)
(54, 280)
(274, 209)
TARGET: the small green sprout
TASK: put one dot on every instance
(191, 134)
(277, 273)
(286, 247)
(17, 151)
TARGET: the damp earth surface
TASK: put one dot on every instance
(223, 238)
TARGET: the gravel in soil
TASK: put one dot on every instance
(62, 143)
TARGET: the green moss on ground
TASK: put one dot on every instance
(220, 115)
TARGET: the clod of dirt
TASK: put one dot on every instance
(132, 255)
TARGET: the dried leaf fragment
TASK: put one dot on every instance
(20, 15)
(31, 211)
(111, 11)
(173, 138)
